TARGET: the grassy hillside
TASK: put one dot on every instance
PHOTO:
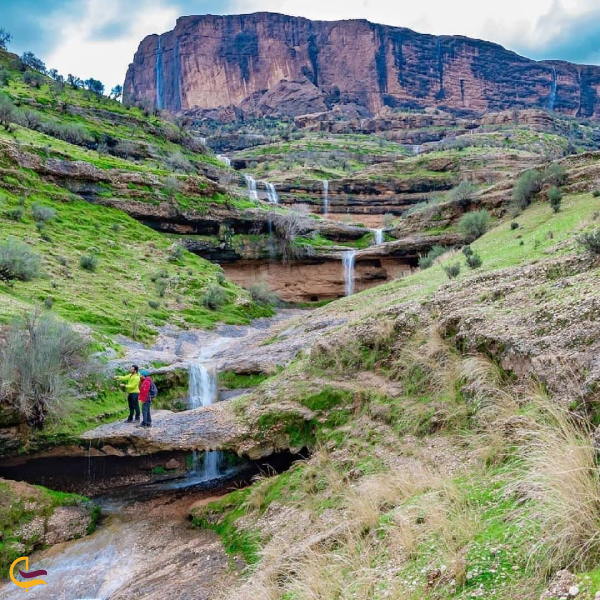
(447, 462)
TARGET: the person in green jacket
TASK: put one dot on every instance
(131, 385)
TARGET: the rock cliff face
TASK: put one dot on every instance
(271, 63)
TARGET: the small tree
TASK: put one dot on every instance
(74, 81)
(7, 112)
(555, 198)
(5, 38)
(527, 185)
(288, 227)
(95, 86)
(474, 224)
(555, 174)
(33, 62)
(117, 92)
(463, 194)
(18, 262)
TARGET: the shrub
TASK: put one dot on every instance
(474, 261)
(555, 198)
(116, 227)
(8, 112)
(62, 260)
(33, 62)
(176, 252)
(288, 227)
(591, 241)
(14, 214)
(435, 252)
(388, 220)
(153, 304)
(49, 302)
(452, 270)
(555, 174)
(262, 294)
(214, 297)
(42, 214)
(596, 193)
(161, 287)
(39, 354)
(462, 193)
(467, 251)
(527, 185)
(18, 262)
(178, 162)
(34, 79)
(514, 225)
(474, 224)
(88, 262)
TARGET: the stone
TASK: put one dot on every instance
(561, 586)
(269, 63)
(172, 464)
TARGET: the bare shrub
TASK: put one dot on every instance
(288, 226)
(262, 294)
(39, 354)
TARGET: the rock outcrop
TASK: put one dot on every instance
(266, 63)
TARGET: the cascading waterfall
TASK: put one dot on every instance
(378, 233)
(348, 259)
(224, 159)
(159, 75)
(251, 183)
(271, 192)
(325, 196)
(416, 149)
(203, 392)
(552, 97)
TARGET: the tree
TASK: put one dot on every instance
(33, 62)
(74, 81)
(555, 198)
(95, 86)
(7, 111)
(528, 184)
(474, 224)
(117, 92)
(5, 38)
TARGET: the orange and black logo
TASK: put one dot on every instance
(30, 578)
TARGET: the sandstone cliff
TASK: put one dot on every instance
(271, 63)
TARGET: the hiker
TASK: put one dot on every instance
(148, 392)
(131, 385)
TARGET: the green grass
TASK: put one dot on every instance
(235, 381)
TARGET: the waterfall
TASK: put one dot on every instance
(416, 149)
(552, 97)
(159, 75)
(378, 233)
(203, 142)
(325, 196)
(203, 392)
(224, 159)
(348, 262)
(251, 183)
(271, 192)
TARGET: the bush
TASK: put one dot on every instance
(8, 113)
(474, 261)
(555, 174)
(18, 262)
(153, 304)
(555, 198)
(42, 214)
(89, 262)
(591, 241)
(467, 251)
(214, 297)
(176, 252)
(514, 225)
(474, 224)
(435, 252)
(262, 294)
(161, 287)
(527, 185)
(49, 302)
(39, 354)
(462, 193)
(34, 79)
(596, 193)
(14, 214)
(452, 270)
(388, 220)
(62, 260)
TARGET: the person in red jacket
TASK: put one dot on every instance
(145, 398)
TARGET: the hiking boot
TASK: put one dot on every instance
(141, 425)
(128, 421)
(137, 418)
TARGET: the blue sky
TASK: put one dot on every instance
(97, 38)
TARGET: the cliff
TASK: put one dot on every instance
(269, 63)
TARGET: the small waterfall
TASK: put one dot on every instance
(203, 392)
(348, 258)
(271, 192)
(325, 196)
(251, 183)
(224, 159)
(416, 149)
(378, 233)
(203, 142)
(159, 75)
(552, 97)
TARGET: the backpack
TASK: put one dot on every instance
(153, 391)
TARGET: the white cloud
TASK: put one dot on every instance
(80, 51)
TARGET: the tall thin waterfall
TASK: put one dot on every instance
(202, 140)
(271, 192)
(552, 97)
(203, 392)
(348, 258)
(325, 196)
(378, 233)
(158, 69)
(224, 159)
(416, 149)
(251, 183)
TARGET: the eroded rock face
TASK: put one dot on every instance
(293, 65)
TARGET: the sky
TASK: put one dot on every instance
(98, 38)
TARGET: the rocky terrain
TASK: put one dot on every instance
(268, 64)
